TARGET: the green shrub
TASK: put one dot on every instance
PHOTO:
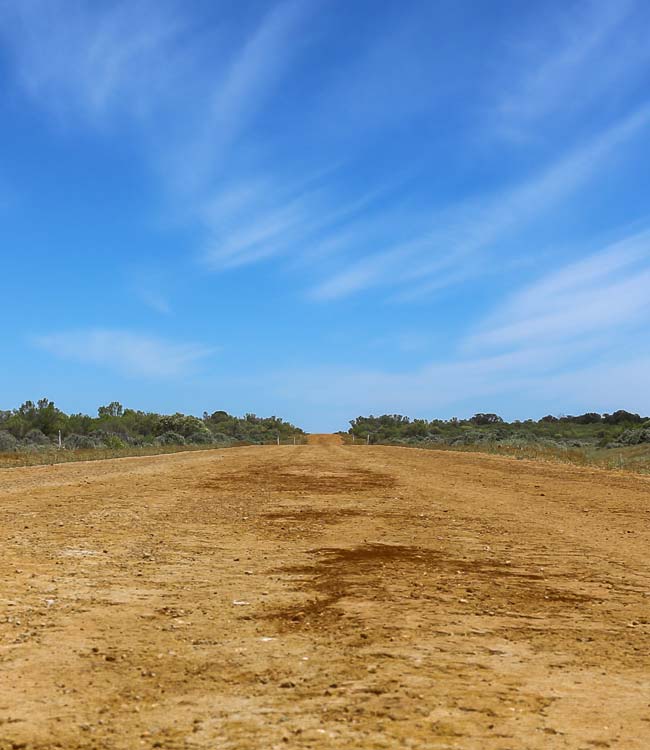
(635, 437)
(179, 424)
(80, 442)
(36, 437)
(201, 437)
(114, 442)
(170, 438)
(8, 442)
(218, 438)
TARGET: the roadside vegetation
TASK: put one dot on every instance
(617, 440)
(39, 432)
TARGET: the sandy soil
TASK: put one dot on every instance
(324, 596)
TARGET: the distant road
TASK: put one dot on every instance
(324, 596)
(324, 439)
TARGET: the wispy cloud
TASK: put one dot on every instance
(574, 338)
(258, 67)
(197, 95)
(593, 297)
(435, 389)
(240, 86)
(252, 222)
(102, 59)
(191, 96)
(130, 353)
(264, 219)
(529, 384)
(441, 256)
(150, 285)
(154, 299)
(98, 68)
(574, 53)
(148, 62)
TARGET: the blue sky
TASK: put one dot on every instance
(320, 209)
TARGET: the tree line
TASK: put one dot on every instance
(35, 425)
(618, 428)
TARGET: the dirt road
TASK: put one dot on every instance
(324, 596)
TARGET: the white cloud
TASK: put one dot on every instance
(618, 382)
(258, 67)
(252, 222)
(150, 285)
(197, 95)
(130, 353)
(443, 254)
(595, 296)
(238, 88)
(193, 92)
(574, 55)
(435, 388)
(191, 96)
(93, 61)
(572, 340)
(154, 299)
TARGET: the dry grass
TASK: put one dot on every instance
(633, 458)
(56, 456)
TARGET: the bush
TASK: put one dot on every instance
(483, 419)
(170, 438)
(635, 437)
(201, 437)
(8, 442)
(179, 424)
(30, 447)
(218, 438)
(36, 437)
(80, 442)
(114, 442)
